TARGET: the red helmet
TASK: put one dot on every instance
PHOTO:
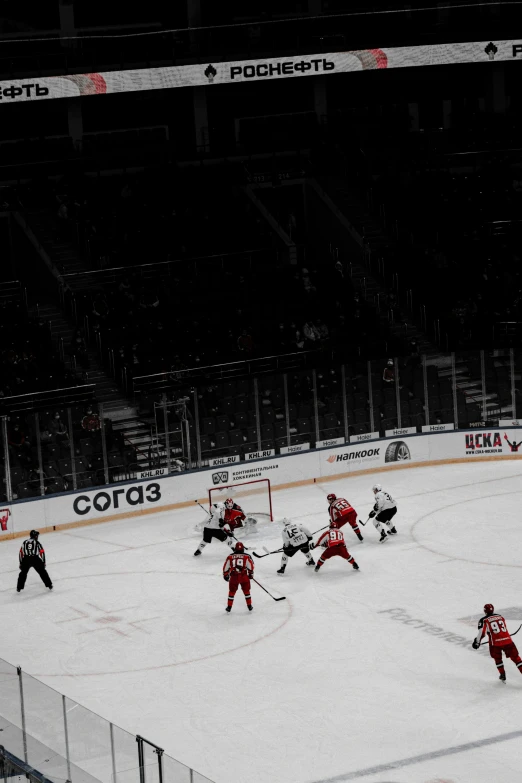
(333, 524)
(331, 497)
(239, 547)
(229, 503)
(489, 609)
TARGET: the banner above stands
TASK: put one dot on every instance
(140, 498)
(110, 82)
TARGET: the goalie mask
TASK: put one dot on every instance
(229, 503)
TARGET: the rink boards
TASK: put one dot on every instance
(142, 497)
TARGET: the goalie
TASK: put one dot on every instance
(235, 517)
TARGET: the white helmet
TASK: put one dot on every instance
(286, 522)
(377, 488)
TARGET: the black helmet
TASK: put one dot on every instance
(34, 534)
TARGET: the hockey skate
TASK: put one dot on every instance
(502, 677)
(250, 608)
(228, 608)
(360, 537)
(355, 567)
(197, 552)
(393, 531)
(316, 569)
(383, 537)
(310, 562)
(281, 570)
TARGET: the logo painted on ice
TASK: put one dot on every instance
(220, 478)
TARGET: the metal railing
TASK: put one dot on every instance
(46, 736)
(191, 417)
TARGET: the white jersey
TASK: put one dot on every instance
(217, 514)
(383, 501)
(295, 535)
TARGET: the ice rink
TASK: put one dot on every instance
(357, 675)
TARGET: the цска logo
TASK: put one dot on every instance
(220, 478)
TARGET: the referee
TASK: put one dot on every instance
(32, 555)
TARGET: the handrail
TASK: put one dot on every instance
(129, 269)
(228, 364)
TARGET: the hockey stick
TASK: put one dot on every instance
(230, 534)
(276, 551)
(513, 634)
(283, 597)
(364, 523)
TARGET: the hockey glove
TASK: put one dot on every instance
(372, 514)
(475, 644)
(226, 578)
(222, 523)
(311, 545)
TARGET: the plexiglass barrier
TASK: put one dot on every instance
(47, 734)
(187, 426)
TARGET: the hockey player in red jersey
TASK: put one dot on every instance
(333, 542)
(234, 515)
(342, 512)
(238, 569)
(499, 638)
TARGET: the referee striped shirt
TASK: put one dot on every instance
(32, 548)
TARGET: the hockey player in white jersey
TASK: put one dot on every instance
(215, 528)
(383, 512)
(296, 537)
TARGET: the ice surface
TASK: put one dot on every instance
(334, 681)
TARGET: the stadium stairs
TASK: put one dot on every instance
(61, 257)
(370, 232)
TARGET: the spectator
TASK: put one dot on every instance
(322, 329)
(310, 332)
(91, 420)
(299, 341)
(79, 350)
(45, 435)
(18, 442)
(58, 430)
(388, 375)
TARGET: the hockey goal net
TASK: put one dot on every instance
(254, 497)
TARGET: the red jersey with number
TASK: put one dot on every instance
(331, 538)
(340, 508)
(495, 627)
(238, 563)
